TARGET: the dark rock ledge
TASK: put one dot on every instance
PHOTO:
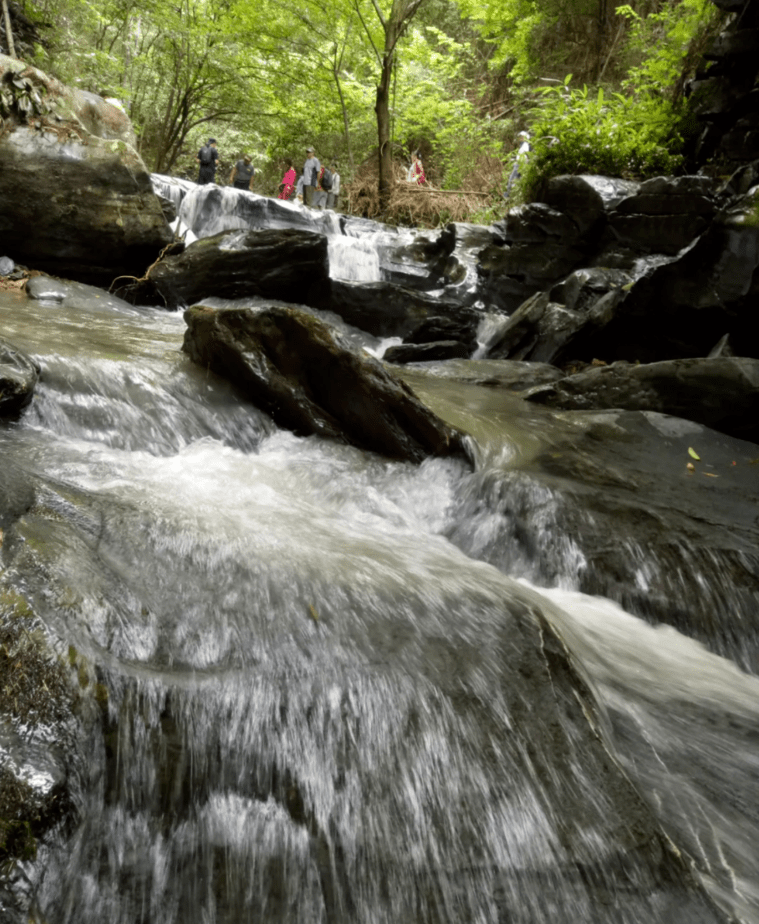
(296, 368)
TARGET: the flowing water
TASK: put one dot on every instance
(311, 712)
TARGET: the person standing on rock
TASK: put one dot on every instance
(322, 187)
(520, 163)
(208, 157)
(242, 174)
(333, 194)
(289, 180)
(311, 171)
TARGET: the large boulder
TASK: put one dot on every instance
(537, 331)
(721, 392)
(388, 310)
(680, 307)
(77, 199)
(536, 247)
(664, 215)
(209, 209)
(287, 265)
(297, 368)
(639, 298)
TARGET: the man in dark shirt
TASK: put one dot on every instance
(207, 157)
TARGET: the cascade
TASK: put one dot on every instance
(329, 694)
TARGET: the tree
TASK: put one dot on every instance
(394, 24)
(8, 30)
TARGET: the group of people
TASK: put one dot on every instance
(318, 186)
(241, 175)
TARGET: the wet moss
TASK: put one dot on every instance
(35, 686)
(17, 839)
(35, 689)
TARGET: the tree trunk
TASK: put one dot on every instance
(8, 30)
(385, 152)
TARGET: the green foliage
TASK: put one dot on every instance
(658, 44)
(575, 131)
(428, 108)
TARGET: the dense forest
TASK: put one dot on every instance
(602, 88)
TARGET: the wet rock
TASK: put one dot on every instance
(298, 369)
(388, 310)
(537, 246)
(7, 266)
(688, 302)
(538, 331)
(37, 700)
(462, 328)
(18, 377)
(583, 288)
(721, 393)
(424, 352)
(287, 265)
(623, 517)
(504, 373)
(723, 95)
(425, 263)
(586, 199)
(664, 215)
(209, 210)
(88, 210)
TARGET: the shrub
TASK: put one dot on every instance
(574, 131)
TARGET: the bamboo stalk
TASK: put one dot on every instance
(8, 30)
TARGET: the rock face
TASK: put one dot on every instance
(666, 268)
(722, 392)
(388, 310)
(288, 265)
(18, 376)
(77, 199)
(724, 93)
(210, 209)
(296, 368)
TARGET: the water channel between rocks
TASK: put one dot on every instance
(318, 698)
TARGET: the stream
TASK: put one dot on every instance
(313, 713)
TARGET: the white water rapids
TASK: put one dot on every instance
(275, 614)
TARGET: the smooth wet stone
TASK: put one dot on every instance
(18, 377)
(297, 368)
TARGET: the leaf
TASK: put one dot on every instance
(693, 454)
(711, 475)
(312, 611)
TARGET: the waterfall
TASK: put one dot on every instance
(330, 693)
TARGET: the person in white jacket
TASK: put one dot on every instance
(310, 176)
(520, 162)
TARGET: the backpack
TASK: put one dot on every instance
(327, 179)
(206, 157)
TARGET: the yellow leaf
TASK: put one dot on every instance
(312, 611)
(693, 454)
(711, 475)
